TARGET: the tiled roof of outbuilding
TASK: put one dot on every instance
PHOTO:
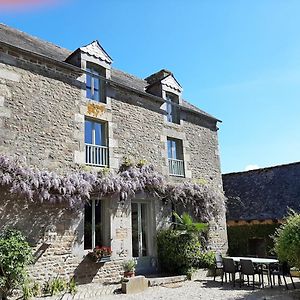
(263, 193)
(35, 45)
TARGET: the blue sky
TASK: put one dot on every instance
(238, 60)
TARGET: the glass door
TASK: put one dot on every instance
(139, 234)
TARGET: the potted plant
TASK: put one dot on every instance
(129, 268)
(100, 254)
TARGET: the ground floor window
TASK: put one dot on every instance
(93, 232)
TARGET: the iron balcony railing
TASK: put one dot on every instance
(96, 155)
(176, 167)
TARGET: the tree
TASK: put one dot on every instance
(287, 240)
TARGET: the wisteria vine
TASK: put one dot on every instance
(77, 187)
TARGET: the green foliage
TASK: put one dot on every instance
(186, 223)
(27, 290)
(287, 240)
(72, 286)
(57, 285)
(36, 289)
(15, 256)
(129, 265)
(238, 237)
(207, 260)
(178, 251)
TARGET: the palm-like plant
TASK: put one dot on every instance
(186, 223)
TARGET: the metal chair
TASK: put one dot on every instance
(248, 269)
(281, 269)
(218, 264)
(230, 268)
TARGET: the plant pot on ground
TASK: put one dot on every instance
(129, 268)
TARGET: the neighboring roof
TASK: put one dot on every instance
(263, 193)
(35, 45)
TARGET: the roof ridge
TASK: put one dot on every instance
(263, 169)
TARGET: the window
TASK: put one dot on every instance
(175, 157)
(92, 225)
(173, 112)
(95, 86)
(96, 150)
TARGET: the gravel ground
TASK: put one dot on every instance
(210, 290)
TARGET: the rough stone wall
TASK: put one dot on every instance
(42, 113)
(138, 126)
(141, 131)
(38, 113)
(55, 232)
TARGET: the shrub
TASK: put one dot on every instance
(186, 223)
(287, 240)
(15, 255)
(178, 251)
(207, 260)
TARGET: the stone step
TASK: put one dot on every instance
(156, 281)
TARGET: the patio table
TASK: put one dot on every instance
(258, 261)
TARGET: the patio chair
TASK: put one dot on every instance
(281, 269)
(218, 264)
(248, 269)
(231, 268)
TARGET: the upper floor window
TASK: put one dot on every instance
(95, 138)
(175, 157)
(95, 86)
(173, 112)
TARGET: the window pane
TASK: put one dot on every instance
(98, 224)
(88, 132)
(169, 112)
(144, 237)
(88, 80)
(99, 134)
(135, 231)
(96, 95)
(88, 230)
(169, 149)
(88, 226)
(96, 83)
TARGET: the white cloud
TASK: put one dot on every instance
(251, 167)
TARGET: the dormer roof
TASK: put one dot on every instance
(93, 49)
(96, 50)
(164, 77)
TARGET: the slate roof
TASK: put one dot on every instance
(35, 45)
(263, 193)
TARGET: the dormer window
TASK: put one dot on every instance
(95, 85)
(173, 112)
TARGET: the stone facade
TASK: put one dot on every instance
(43, 108)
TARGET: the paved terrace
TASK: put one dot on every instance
(200, 288)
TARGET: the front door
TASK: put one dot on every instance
(143, 233)
(139, 234)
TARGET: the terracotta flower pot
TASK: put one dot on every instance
(128, 274)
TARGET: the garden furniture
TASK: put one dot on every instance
(218, 264)
(247, 268)
(231, 268)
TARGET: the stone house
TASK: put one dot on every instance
(257, 203)
(61, 110)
